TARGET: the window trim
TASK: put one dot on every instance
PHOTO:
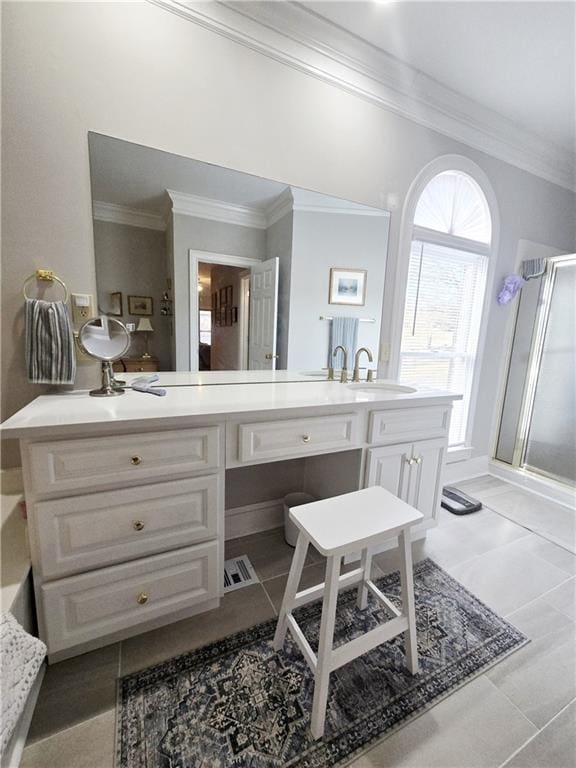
(409, 231)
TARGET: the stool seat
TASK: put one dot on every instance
(355, 520)
(336, 527)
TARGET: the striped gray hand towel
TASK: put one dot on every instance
(50, 352)
(344, 331)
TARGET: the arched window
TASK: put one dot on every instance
(450, 249)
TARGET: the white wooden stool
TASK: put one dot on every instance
(336, 527)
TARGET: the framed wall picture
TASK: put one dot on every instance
(347, 286)
(140, 305)
(115, 304)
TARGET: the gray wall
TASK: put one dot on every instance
(322, 241)
(190, 232)
(132, 260)
(203, 96)
(279, 243)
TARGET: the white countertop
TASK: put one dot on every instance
(50, 415)
(196, 378)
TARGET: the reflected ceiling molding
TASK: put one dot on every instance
(283, 205)
(216, 210)
(293, 35)
(314, 202)
(122, 214)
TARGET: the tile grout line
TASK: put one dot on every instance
(509, 700)
(269, 598)
(539, 597)
(538, 732)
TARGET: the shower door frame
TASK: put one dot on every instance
(553, 263)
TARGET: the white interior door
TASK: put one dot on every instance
(263, 315)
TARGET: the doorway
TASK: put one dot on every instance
(233, 302)
(223, 317)
(544, 442)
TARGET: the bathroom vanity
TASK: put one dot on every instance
(125, 496)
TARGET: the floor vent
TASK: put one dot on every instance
(238, 573)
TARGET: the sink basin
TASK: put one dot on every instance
(381, 386)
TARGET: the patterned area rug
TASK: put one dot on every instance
(238, 704)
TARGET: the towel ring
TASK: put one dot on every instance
(48, 276)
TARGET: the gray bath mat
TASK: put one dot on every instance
(237, 704)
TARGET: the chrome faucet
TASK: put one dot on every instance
(344, 373)
(356, 374)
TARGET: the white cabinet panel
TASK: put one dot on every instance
(291, 438)
(86, 463)
(409, 424)
(411, 471)
(389, 468)
(426, 476)
(81, 608)
(82, 532)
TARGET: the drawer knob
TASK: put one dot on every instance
(305, 438)
(135, 460)
(138, 525)
(142, 598)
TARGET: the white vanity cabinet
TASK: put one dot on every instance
(411, 471)
(125, 497)
(126, 532)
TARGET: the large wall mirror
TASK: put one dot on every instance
(220, 271)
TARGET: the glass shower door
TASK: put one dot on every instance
(547, 442)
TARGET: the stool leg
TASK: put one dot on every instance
(322, 676)
(291, 588)
(408, 603)
(366, 565)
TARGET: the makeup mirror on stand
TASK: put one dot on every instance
(106, 339)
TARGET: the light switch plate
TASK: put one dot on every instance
(82, 307)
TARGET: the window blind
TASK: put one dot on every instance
(442, 315)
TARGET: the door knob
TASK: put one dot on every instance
(271, 357)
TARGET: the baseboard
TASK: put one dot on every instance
(253, 518)
(548, 489)
(464, 470)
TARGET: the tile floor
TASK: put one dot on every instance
(519, 714)
(552, 521)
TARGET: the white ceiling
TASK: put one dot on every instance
(517, 58)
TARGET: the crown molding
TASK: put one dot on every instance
(122, 214)
(295, 36)
(283, 205)
(216, 210)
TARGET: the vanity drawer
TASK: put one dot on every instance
(297, 437)
(79, 533)
(408, 424)
(85, 463)
(83, 608)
